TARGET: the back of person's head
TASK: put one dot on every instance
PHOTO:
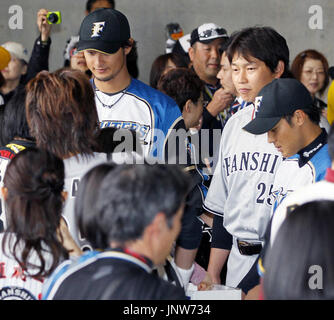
(159, 66)
(34, 182)
(128, 199)
(61, 112)
(263, 43)
(300, 59)
(85, 205)
(300, 263)
(181, 84)
(15, 121)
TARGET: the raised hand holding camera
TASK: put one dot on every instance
(43, 25)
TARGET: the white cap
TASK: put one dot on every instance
(17, 50)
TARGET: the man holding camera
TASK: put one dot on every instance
(20, 69)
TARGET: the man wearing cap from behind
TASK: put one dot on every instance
(284, 109)
(122, 101)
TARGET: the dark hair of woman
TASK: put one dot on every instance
(14, 119)
(34, 181)
(181, 84)
(159, 66)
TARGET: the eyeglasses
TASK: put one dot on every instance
(212, 33)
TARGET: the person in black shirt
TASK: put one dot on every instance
(21, 69)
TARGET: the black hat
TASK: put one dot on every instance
(277, 99)
(104, 30)
(206, 33)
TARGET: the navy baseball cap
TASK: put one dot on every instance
(206, 33)
(277, 99)
(103, 30)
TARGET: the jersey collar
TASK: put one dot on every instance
(309, 151)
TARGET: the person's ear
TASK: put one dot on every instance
(279, 69)
(128, 48)
(300, 117)
(4, 192)
(191, 53)
(187, 106)
(24, 69)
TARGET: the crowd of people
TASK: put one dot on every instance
(217, 171)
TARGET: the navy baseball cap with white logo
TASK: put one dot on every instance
(103, 30)
(277, 99)
(206, 33)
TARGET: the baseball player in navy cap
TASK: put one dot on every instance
(122, 101)
(285, 111)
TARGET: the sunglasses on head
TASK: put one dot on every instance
(211, 33)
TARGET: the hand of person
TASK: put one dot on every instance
(66, 239)
(206, 283)
(220, 101)
(43, 25)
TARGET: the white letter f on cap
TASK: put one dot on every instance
(97, 29)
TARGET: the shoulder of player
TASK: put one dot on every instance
(154, 97)
(240, 119)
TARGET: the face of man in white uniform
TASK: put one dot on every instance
(250, 75)
(105, 66)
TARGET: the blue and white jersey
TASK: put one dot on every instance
(293, 186)
(307, 167)
(139, 107)
(292, 176)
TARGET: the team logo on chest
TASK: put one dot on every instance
(257, 104)
(97, 29)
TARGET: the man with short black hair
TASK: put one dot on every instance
(138, 212)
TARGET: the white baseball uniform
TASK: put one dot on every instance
(241, 187)
(75, 169)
